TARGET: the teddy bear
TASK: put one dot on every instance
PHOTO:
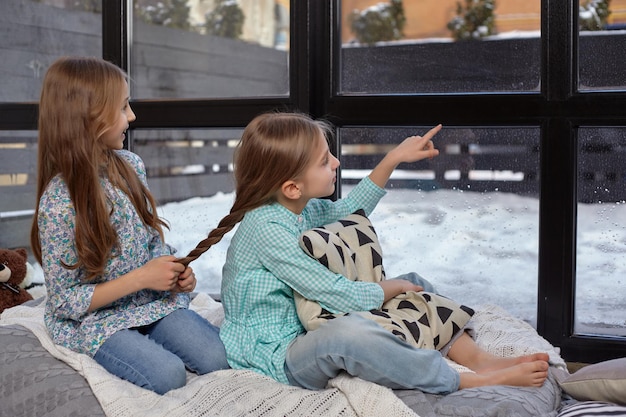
(13, 271)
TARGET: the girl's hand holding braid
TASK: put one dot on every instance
(186, 281)
(165, 274)
(161, 274)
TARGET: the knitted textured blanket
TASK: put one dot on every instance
(224, 393)
(245, 393)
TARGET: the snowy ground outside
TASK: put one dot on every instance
(477, 248)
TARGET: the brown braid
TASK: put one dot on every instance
(225, 225)
(274, 148)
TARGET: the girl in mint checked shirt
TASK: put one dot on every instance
(283, 167)
(114, 290)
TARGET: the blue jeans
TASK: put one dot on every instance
(364, 349)
(156, 356)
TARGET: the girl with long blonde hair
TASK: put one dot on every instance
(114, 290)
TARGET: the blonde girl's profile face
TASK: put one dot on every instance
(320, 177)
(114, 137)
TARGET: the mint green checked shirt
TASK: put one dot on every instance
(265, 264)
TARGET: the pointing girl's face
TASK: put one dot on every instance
(320, 177)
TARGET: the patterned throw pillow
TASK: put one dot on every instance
(350, 247)
(602, 381)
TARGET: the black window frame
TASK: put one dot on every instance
(558, 109)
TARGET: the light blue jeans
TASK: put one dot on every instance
(363, 349)
(155, 356)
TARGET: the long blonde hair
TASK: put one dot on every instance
(79, 103)
(275, 147)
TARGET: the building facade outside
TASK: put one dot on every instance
(428, 18)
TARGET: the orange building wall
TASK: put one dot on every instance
(428, 18)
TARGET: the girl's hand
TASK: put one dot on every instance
(394, 287)
(186, 281)
(161, 274)
(416, 148)
(411, 149)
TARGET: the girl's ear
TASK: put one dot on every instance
(291, 190)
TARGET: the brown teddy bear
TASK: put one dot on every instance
(13, 271)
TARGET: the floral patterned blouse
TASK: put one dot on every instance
(66, 316)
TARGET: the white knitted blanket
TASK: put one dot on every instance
(499, 333)
(244, 393)
(229, 393)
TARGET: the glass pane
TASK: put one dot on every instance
(601, 233)
(602, 41)
(35, 33)
(467, 220)
(190, 174)
(396, 46)
(210, 49)
(18, 178)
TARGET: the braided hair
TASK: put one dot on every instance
(275, 147)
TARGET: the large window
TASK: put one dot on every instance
(601, 232)
(513, 82)
(210, 49)
(425, 47)
(600, 240)
(602, 26)
(35, 33)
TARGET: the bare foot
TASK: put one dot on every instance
(466, 352)
(524, 374)
(489, 362)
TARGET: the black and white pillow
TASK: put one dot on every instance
(350, 247)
